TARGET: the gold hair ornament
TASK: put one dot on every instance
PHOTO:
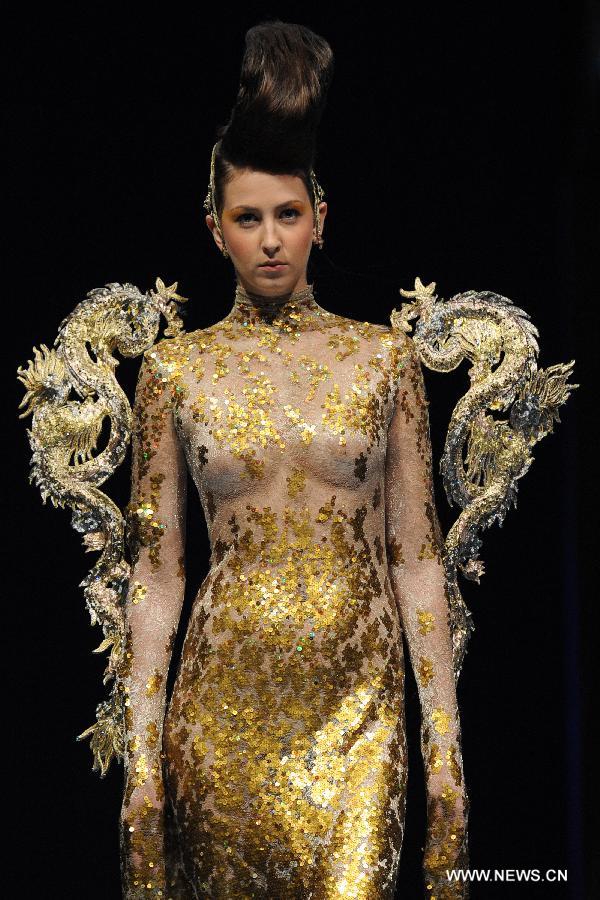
(211, 207)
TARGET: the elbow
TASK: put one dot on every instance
(419, 585)
(162, 576)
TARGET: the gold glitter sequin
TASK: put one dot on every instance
(138, 593)
(441, 720)
(425, 671)
(153, 684)
(296, 482)
(426, 621)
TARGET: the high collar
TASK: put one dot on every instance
(296, 311)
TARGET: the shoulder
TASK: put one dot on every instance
(406, 370)
(163, 363)
(403, 353)
(165, 353)
(398, 347)
(357, 331)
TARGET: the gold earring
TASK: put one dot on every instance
(225, 252)
(318, 194)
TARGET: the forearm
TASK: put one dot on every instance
(424, 609)
(152, 615)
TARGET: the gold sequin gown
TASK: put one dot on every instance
(279, 768)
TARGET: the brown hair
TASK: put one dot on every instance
(285, 75)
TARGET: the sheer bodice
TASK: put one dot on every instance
(289, 415)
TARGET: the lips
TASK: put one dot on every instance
(272, 263)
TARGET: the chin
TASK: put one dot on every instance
(274, 284)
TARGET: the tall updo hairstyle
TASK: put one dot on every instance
(285, 75)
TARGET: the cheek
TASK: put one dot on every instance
(241, 243)
(301, 235)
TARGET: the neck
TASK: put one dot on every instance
(250, 299)
(296, 308)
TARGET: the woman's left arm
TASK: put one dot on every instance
(414, 548)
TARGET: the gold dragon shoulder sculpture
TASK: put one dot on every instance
(509, 407)
(483, 459)
(63, 436)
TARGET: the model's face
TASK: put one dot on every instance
(267, 218)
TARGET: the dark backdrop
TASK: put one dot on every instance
(458, 144)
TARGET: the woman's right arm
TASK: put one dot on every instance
(155, 527)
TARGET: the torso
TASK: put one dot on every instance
(292, 667)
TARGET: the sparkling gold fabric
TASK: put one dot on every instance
(279, 768)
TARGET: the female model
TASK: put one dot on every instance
(279, 769)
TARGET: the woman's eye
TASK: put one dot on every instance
(245, 218)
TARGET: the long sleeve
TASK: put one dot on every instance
(155, 528)
(414, 547)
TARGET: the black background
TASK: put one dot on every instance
(459, 144)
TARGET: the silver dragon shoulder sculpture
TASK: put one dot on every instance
(509, 407)
(63, 437)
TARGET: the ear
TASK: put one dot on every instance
(212, 226)
(322, 214)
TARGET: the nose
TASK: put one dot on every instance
(271, 242)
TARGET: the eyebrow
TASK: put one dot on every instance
(256, 209)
